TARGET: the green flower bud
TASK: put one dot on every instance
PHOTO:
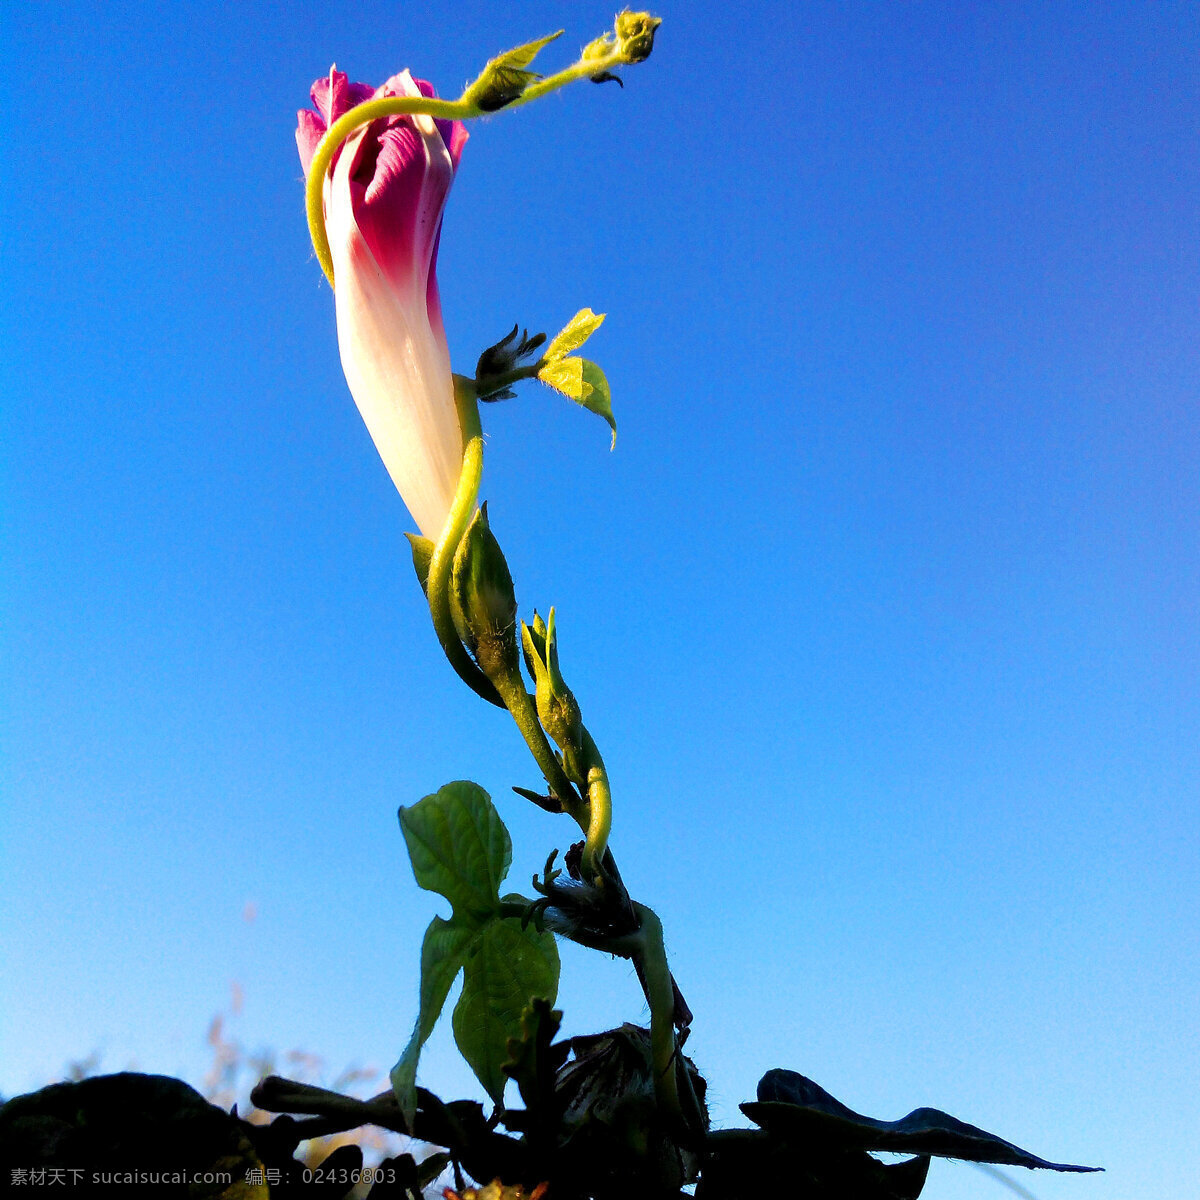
(533, 646)
(557, 708)
(482, 600)
(635, 35)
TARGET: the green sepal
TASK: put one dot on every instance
(533, 644)
(501, 359)
(483, 603)
(422, 556)
(583, 382)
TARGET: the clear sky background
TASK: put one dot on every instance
(884, 612)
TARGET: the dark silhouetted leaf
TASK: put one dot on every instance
(748, 1164)
(794, 1108)
(131, 1122)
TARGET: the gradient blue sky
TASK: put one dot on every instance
(884, 611)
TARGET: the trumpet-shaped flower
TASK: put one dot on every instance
(384, 195)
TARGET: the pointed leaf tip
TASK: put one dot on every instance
(791, 1106)
(522, 56)
(577, 331)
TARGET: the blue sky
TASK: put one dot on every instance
(883, 612)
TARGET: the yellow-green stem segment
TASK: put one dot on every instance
(600, 815)
(437, 586)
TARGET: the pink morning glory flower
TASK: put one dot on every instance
(384, 196)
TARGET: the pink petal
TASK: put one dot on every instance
(334, 96)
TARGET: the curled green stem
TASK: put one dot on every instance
(437, 585)
(600, 811)
(411, 106)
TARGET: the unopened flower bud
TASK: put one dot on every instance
(602, 47)
(482, 600)
(635, 35)
(557, 708)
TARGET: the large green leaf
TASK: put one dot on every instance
(445, 947)
(459, 847)
(506, 967)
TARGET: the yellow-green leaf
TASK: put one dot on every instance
(580, 327)
(565, 376)
(442, 954)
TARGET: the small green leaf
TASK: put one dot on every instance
(504, 79)
(583, 382)
(566, 376)
(580, 327)
(445, 947)
(599, 398)
(459, 847)
(505, 969)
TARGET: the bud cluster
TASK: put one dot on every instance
(557, 708)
